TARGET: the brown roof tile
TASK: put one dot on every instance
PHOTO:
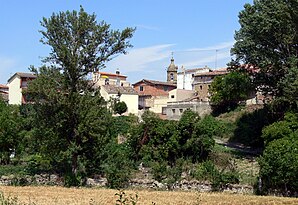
(114, 89)
(155, 82)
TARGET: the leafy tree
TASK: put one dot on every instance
(267, 39)
(10, 127)
(120, 107)
(71, 118)
(227, 91)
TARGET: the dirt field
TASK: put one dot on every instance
(79, 196)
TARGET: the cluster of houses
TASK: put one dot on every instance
(185, 89)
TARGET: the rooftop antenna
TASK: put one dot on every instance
(216, 58)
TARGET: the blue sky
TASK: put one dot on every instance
(192, 29)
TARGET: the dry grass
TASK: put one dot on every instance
(79, 196)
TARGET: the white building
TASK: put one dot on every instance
(17, 84)
(185, 77)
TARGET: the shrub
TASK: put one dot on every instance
(120, 107)
(279, 166)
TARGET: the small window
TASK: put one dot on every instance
(209, 86)
(173, 111)
(181, 111)
(172, 76)
(201, 87)
(164, 110)
(165, 88)
(172, 96)
(141, 88)
(192, 75)
(107, 81)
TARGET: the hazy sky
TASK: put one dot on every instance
(192, 29)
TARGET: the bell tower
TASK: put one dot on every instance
(172, 72)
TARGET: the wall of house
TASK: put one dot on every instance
(153, 90)
(202, 90)
(15, 91)
(175, 110)
(158, 102)
(131, 102)
(186, 79)
(180, 94)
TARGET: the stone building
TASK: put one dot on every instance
(202, 83)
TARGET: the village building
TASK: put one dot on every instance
(185, 78)
(17, 84)
(153, 95)
(4, 92)
(114, 86)
(202, 83)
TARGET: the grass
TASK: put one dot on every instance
(79, 196)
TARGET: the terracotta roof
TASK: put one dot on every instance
(111, 74)
(23, 75)
(3, 86)
(114, 89)
(212, 73)
(155, 82)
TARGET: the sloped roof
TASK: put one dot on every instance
(221, 71)
(192, 70)
(3, 86)
(155, 82)
(22, 75)
(112, 74)
(114, 89)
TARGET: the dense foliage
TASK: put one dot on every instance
(229, 90)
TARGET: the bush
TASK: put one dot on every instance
(118, 165)
(279, 166)
(120, 107)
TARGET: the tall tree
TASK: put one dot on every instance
(70, 113)
(267, 39)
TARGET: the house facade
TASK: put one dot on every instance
(104, 78)
(202, 83)
(125, 94)
(17, 84)
(185, 78)
(153, 95)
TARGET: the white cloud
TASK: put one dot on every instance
(219, 46)
(139, 59)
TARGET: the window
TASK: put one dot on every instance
(107, 81)
(165, 88)
(201, 87)
(172, 76)
(181, 111)
(173, 111)
(172, 96)
(141, 88)
(164, 110)
(209, 86)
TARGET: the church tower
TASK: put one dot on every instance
(172, 72)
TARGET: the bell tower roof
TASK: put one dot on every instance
(172, 66)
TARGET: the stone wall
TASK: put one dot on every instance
(144, 183)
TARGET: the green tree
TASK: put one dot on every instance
(71, 117)
(10, 127)
(120, 107)
(228, 90)
(267, 39)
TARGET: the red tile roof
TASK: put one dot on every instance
(155, 82)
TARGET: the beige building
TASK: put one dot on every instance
(17, 84)
(104, 78)
(115, 86)
(125, 94)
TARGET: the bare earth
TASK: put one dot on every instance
(78, 196)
